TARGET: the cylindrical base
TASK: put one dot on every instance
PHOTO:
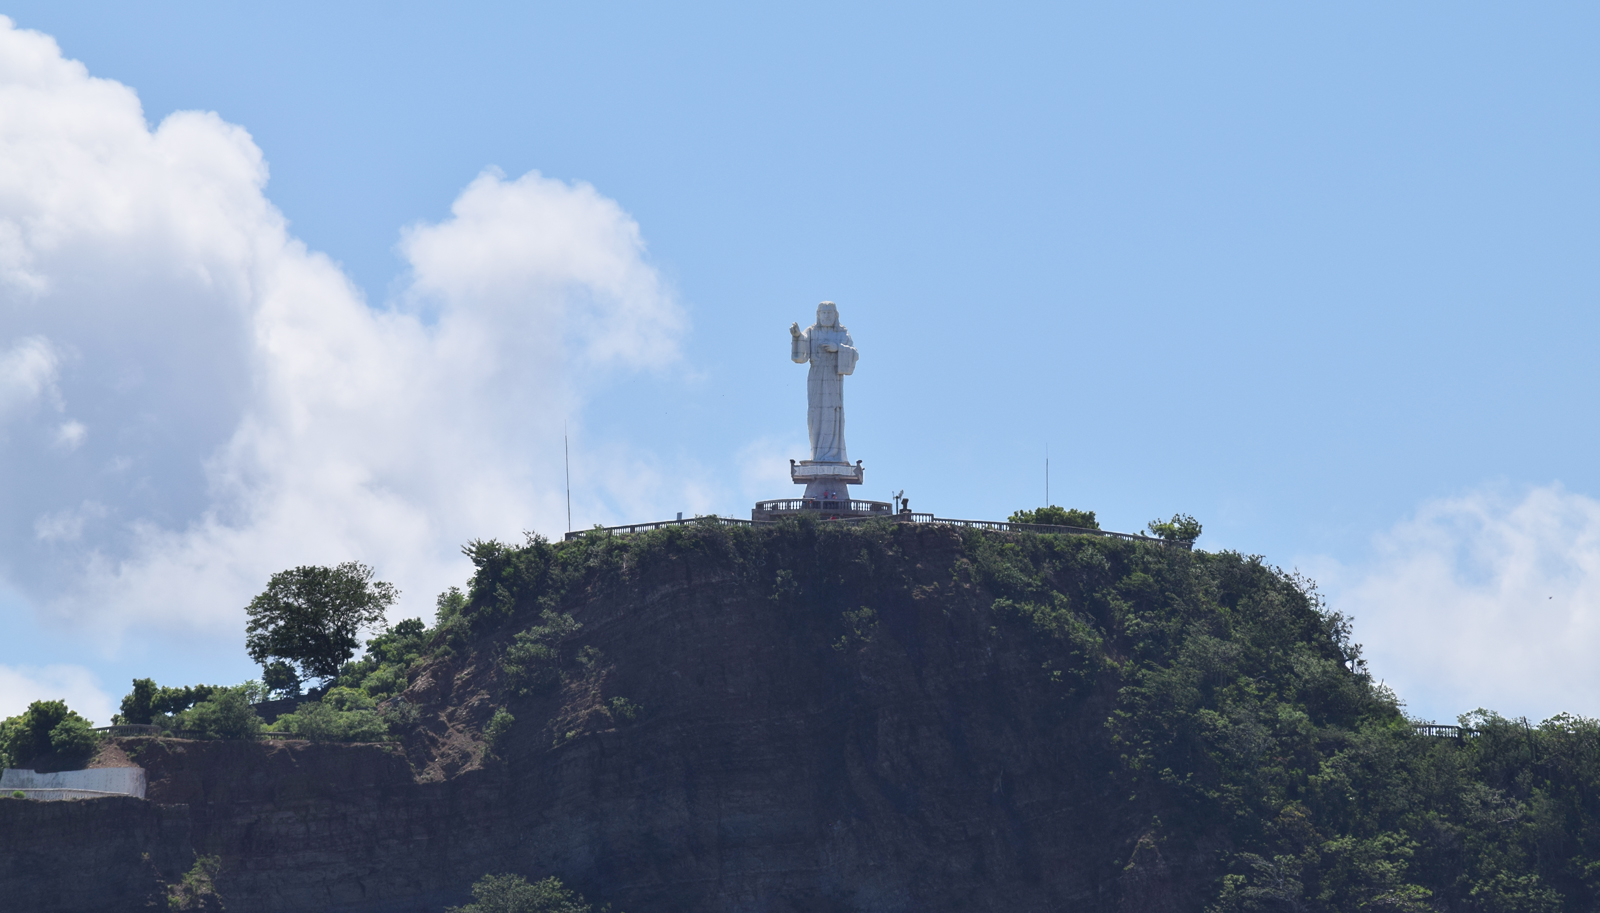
(827, 490)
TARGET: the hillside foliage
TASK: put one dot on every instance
(46, 728)
(1237, 715)
(1232, 720)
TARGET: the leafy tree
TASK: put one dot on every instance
(136, 707)
(73, 737)
(1057, 516)
(225, 714)
(46, 726)
(281, 679)
(311, 617)
(147, 700)
(1181, 528)
(513, 894)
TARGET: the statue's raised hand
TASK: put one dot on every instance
(794, 329)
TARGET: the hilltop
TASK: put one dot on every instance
(878, 717)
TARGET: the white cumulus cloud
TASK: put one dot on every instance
(22, 685)
(1490, 599)
(27, 374)
(236, 406)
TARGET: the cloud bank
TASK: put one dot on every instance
(76, 685)
(196, 400)
(1491, 599)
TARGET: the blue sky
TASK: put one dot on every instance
(1324, 278)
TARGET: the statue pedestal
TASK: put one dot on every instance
(827, 494)
(826, 481)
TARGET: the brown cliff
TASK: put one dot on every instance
(791, 753)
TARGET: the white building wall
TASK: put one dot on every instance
(126, 781)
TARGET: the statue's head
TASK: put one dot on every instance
(827, 314)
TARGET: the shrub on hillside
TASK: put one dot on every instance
(533, 661)
(322, 722)
(226, 714)
(514, 894)
(1057, 516)
(496, 729)
(384, 670)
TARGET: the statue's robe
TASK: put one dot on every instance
(825, 387)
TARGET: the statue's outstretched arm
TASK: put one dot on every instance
(799, 344)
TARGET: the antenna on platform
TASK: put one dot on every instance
(566, 456)
(1047, 474)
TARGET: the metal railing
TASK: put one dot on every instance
(1444, 731)
(804, 504)
(129, 729)
(659, 524)
(903, 517)
(1005, 526)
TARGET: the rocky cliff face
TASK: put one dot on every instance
(826, 720)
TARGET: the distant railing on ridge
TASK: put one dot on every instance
(881, 508)
(997, 525)
(1443, 731)
(129, 729)
(659, 524)
(1008, 527)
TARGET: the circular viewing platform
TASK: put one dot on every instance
(823, 509)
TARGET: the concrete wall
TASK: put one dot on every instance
(126, 781)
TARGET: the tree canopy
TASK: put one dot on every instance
(514, 894)
(311, 618)
(1181, 528)
(1057, 516)
(46, 726)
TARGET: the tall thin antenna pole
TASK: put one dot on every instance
(566, 455)
(1047, 474)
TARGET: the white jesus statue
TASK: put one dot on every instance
(832, 354)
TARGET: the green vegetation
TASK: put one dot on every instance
(348, 712)
(859, 625)
(514, 894)
(1181, 528)
(308, 621)
(496, 729)
(225, 714)
(1225, 706)
(1230, 708)
(533, 661)
(385, 669)
(1057, 516)
(195, 711)
(1241, 716)
(46, 727)
(343, 715)
(147, 700)
(198, 890)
